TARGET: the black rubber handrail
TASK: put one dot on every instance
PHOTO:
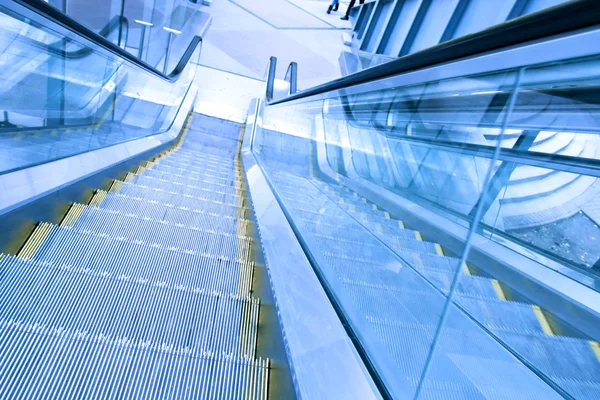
(567, 17)
(115, 23)
(54, 15)
(291, 77)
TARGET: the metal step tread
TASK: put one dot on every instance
(136, 310)
(143, 261)
(43, 362)
(161, 211)
(99, 225)
(373, 249)
(180, 159)
(145, 231)
(414, 254)
(118, 201)
(322, 213)
(459, 353)
(353, 232)
(204, 186)
(213, 173)
(228, 181)
(155, 173)
(158, 193)
(555, 355)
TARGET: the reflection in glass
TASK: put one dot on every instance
(61, 96)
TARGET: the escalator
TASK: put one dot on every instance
(354, 240)
(443, 200)
(137, 271)
(148, 288)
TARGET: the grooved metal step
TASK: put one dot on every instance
(181, 177)
(144, 293)
(150, 231)
(218, 184)
(202, 187)
(214, 216)
(141, 260)
(225, 174)
(46, 362)
(503, 315)
(130, 309)
(157, 210)
(468, 356)
(372, 252)
(167, 195)
(552, 354)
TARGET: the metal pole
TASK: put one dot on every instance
(122, 14)
(144, 24)
(168, 52)
(270, 78)
(291, 76)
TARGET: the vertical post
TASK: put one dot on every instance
(58, 66)
(291, 76)
(144, 25)
(168, 51)
(270, 78)
(122, 15)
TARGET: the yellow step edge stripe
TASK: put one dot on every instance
(364, 200)
(418, 235)
(542, 320)
(374, 207)
(401, 224)
(387, 214)
(498, 289)
(466, 269)
(98, 198)
(35, 241)
(130, 177)
(438, 249)
(73, 214)
(595, 348)
(115, 186)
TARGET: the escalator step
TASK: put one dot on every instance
(166, 234)
(136, 259)
(157, 210)
(187, 189)
(167, 196)
(178, 176)
(467, 363)
(136, 310)
(503, 315)
(554, 355)
(43, 362)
